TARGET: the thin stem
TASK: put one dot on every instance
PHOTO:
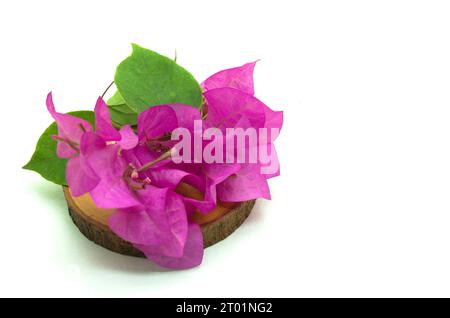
(106, 90)
(164, 156)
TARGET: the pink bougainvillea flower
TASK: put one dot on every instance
(229, 107)
(160, 229)
(155, 126)
(74, 142)
(240, 78)
(233, 108)
(149, 213)
(104, 144)
(176, 243)
(158, 122)
(158, 222)
(125, 137)
(70, 130)
(112, 190)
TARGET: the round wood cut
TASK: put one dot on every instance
(93, 222)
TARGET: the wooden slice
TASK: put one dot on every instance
(93, 222)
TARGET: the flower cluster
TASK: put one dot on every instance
(130, 169)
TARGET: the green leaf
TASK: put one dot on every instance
(116, 99)
(123, 108)
(45, 161)
(121, 115)
(165, 83)
(147, 78)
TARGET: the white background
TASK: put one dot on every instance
(362, 204)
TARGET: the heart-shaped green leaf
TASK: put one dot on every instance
(146, 79)
(45, 161)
